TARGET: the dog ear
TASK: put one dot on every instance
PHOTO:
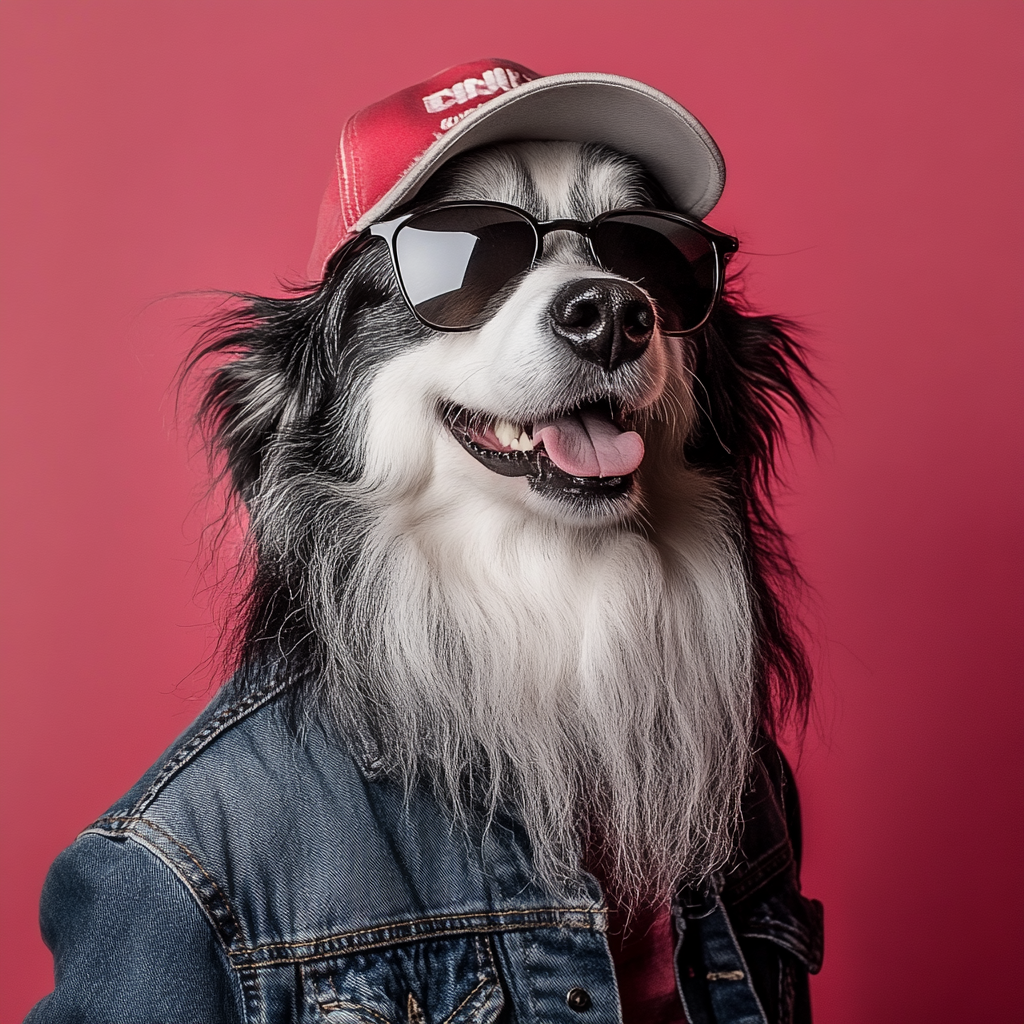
(276, 364)
(258, 347)
(751, 375)
(750, 371)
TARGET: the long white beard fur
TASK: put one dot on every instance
(604, 681)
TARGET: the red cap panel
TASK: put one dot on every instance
(382, 142)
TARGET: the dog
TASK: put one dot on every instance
(516, 631)
(559, 640)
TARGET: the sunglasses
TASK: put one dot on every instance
(452, 259)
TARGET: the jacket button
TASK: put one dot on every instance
(578, 999)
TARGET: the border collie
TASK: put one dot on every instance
(527, 577)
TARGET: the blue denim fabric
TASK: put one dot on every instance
(261, 874)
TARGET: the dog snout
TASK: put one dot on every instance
(607, 322)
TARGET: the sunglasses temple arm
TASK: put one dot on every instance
(726, 244)
(386, 229)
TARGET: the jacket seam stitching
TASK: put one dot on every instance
(342, 1004)
(479, 985)
(246, 951)
(223, 721)
(195, 860)
(421, 920)
(175, 869)
(484, 980)
(331, 954)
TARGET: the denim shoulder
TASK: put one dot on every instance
(130, 936)
(139, 911)
(129, 942)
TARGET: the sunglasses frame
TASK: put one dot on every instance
(722, 245)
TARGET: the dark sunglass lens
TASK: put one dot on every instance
(674, 263)
(454, 261)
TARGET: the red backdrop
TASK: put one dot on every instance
(875, 167)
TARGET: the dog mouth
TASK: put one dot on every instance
(580, 455)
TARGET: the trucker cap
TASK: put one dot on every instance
(389, 149)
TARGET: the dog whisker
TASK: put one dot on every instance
(706, 410)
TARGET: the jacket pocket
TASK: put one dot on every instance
(436, 981)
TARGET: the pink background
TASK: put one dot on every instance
(875, 167)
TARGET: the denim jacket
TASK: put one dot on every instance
(260, 873)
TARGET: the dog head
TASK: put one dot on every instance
(548, 533)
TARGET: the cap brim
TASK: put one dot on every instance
(618, 112)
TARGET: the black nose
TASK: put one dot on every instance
(607, 322)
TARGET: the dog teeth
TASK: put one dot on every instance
(511, 435)
(505, 432)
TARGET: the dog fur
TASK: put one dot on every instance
(597, 669)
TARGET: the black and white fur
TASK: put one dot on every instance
(597, 668)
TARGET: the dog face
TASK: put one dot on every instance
(547, 407)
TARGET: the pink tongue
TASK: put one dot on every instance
(586, 444)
